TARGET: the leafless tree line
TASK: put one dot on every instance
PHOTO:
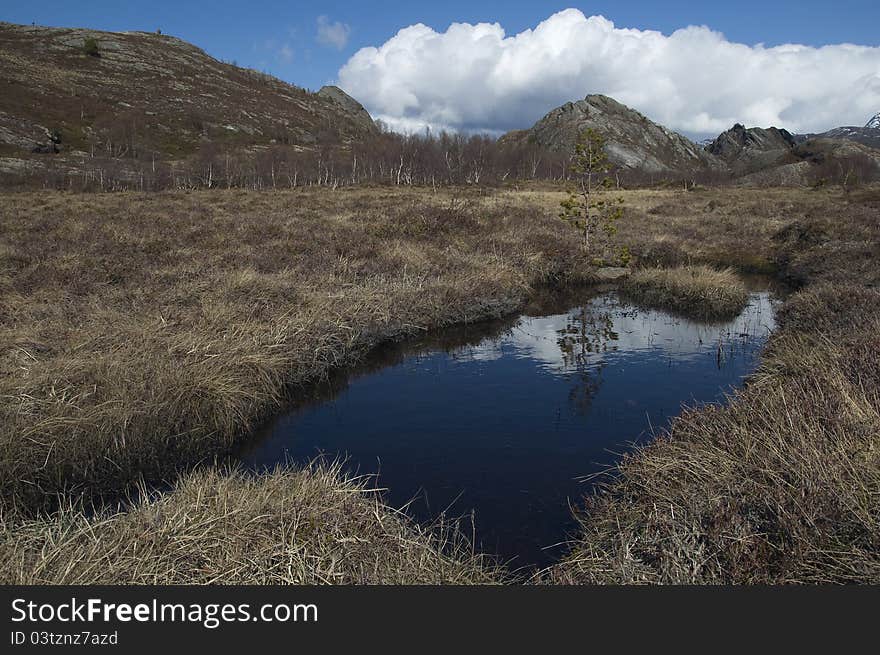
(119, 162)
(432, 160)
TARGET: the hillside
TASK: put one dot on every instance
(773, 156)
(867, 136)
(747, 150)
(137, 94)
(635, 143)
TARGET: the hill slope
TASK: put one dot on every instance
(136, 93)
(869, 135)
(635, 143)
(747, 150)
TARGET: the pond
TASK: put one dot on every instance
(508, 422)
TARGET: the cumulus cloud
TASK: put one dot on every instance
(477, 78)
(333, 34)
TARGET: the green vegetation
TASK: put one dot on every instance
(587, 207)
(699, 291)
(90, 47)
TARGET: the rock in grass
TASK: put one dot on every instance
(695, 291)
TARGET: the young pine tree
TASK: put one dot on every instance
(588, 207)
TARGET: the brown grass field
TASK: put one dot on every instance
(142, 334)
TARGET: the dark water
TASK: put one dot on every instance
(507, 419)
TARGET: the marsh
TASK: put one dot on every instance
(509, 422)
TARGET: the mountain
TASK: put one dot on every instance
(867, 136)
(129, 94)
(747, 150)
(634, 142)
(772, 156)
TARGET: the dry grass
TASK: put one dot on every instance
(303, 527)
(719, 227)
(142, 333)
(699, 291)
(783, 484)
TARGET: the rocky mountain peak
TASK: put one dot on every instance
(745, 150)
(874, 123)
(739, 138)
(634, 142)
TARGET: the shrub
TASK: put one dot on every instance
(90, 47)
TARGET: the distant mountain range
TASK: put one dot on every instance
(749, 150)
(868, 135)
(85, 93)
(760, 155)
(776, 157)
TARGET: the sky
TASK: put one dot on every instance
(494, 66)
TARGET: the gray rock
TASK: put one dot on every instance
(350, 105)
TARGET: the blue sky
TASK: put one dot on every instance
(475, 78)
(280, 37)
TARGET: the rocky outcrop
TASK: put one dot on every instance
(874, 123)
(771, 156)
(350, 105)
(634, 142)
(748, 150)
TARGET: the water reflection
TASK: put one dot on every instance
(507, 418)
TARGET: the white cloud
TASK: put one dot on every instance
(285, 53)
(333, 34)
(476, 78)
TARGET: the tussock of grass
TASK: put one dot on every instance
(698, 291)
(287, 527)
